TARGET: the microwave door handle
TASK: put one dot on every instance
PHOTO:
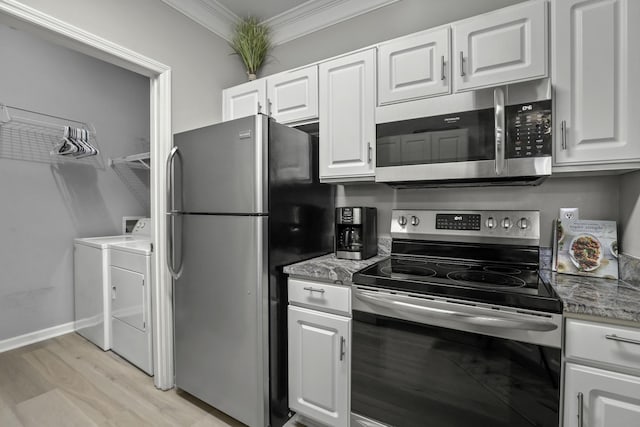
(498, 104)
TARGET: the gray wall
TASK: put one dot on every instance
(200, 61)
(597, 198)
(398, 19)
(630, 213)
(45, 206)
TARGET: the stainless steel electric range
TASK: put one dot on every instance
(457, 327)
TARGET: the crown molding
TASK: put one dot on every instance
(208, 13)
(314, 15)
(310, 16)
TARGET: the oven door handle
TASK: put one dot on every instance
(446, 312)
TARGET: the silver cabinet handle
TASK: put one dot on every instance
(461, 64)
(310, 289)
(580, 409)
(269, 107)
(259, 107)
(443, 76)
(563, 129)
(368, 152)
(498, 104)
(342, 349)
(622, 339)
(171, 212)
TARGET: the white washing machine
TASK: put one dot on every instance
(92, 293)
(130, 280)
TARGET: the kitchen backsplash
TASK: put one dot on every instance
(629, 269)
(596, 197)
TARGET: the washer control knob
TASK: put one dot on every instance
(415, 220)
(491, 223)
(523, 223)
(402, 220)
(506, 223)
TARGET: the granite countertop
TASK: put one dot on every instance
(606, 298)
(329, 268)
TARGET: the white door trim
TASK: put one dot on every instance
(161, 141)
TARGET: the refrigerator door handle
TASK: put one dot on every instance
(171, 213)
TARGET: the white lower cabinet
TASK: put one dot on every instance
(319, 356)
(602, 375)
(600, 398)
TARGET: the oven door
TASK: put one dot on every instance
(430, 361)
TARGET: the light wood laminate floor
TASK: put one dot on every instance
(68, 381)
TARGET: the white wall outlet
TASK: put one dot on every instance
(570, 214)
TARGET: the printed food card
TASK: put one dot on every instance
(588, 248)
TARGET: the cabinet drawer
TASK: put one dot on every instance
(610, 344)
(322, 296)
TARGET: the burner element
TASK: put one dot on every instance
(408, 268)
(454, 267)
(501, 270)
(486, 279)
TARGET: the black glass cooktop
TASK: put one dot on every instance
(511, 284)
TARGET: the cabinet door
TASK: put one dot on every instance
(414, 67)
(293, 96)
(319, 364)
(505, 46)
(244, 100)
(601, 398)
(347, 117)
(596, 62)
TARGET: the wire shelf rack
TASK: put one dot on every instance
(31, 136)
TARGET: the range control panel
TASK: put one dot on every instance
(458, 221)
(504, 227)
(528, 130)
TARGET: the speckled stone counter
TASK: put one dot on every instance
(329, 268)
(605, 298)
(608, 299)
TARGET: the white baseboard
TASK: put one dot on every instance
(33, 337)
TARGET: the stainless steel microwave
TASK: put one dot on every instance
(503, 145)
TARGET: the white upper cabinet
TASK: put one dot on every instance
(505, 46)
(293, 96)
(347, 118)
(596, 63)
(417, 66)
(244, 100)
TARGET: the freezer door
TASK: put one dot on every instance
(221, 315)
(222, 168)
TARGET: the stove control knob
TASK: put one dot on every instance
(506, 223)
(402, 220)
(523, 223)
(415, 220)
(491, 223)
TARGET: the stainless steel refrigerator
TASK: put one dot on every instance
(245, 200)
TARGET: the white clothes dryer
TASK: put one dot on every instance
(92, 293)
(131, 326)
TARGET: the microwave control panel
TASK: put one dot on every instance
(528, 130)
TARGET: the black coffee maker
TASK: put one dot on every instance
(356, 233)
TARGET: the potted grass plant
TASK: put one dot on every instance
(252, 42)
